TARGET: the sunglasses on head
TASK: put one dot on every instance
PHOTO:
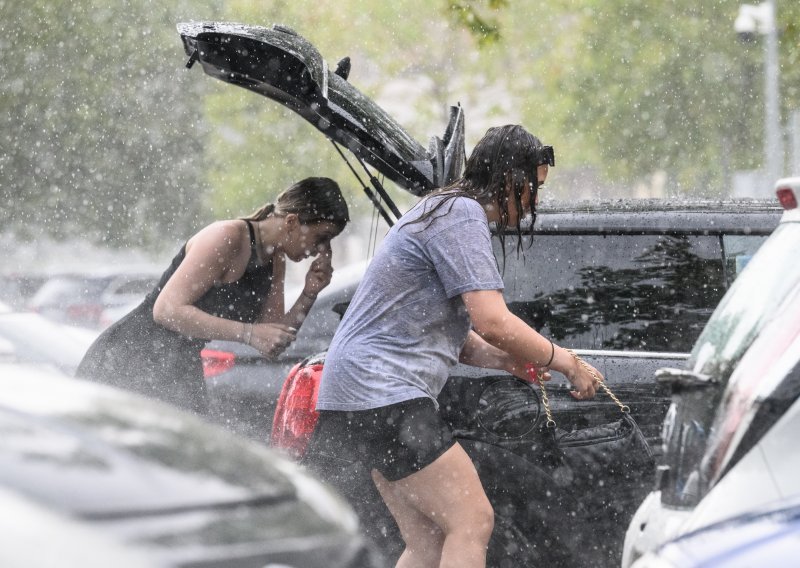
(546, 156)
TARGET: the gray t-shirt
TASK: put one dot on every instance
(407, 323)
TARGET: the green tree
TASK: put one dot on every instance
(260, 147)
(637, 86)
(100, 135)
(105, 134)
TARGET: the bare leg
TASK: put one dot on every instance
(443, 513)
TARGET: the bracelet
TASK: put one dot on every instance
(309, 296)
(248, 332)
(552, 353)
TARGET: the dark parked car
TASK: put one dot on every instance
(629, 285)
(630, 289)
(143, 481)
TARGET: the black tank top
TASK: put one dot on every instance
(241, 300)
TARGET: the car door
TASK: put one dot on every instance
(628, 303)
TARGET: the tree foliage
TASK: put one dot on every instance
(106, 134)
(100, 133)
(664, 86)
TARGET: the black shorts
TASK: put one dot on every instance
(397, 440)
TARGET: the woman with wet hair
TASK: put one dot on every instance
(432, 297)
(227, 282)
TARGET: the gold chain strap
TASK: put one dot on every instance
(551, 423)
(545, 401)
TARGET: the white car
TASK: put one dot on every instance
(78, 299)
(29, 338)
(730, 434)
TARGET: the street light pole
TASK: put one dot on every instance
(761, 20)
(774, 140)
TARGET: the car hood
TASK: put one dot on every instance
(762, 537)
(281, 65)
(97, 452)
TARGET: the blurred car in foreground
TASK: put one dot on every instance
(35, 536)
(730, 433)
(27, 337)
(79, 299)
(158, 483)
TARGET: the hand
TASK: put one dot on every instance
(272, 339)
(585, 379)
(319, 273)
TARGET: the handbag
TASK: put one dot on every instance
(608, 467)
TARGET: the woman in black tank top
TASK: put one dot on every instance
(225, 283)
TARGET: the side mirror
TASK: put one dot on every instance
(682, 378)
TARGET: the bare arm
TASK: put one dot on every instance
(318, 276)
(498, 327)
(478, 353)
(273, 310)
(215, 254)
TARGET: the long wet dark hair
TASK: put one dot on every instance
(313, 200)
(505, 154)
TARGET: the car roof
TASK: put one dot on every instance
(132, 271)
(658, 216)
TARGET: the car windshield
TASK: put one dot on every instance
(751, 302)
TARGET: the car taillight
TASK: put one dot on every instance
(216, 362)
(295, 414)
(84, 313)
(786, 197)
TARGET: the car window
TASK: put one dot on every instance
(58, 290)
(738, 250)
(630, 292)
